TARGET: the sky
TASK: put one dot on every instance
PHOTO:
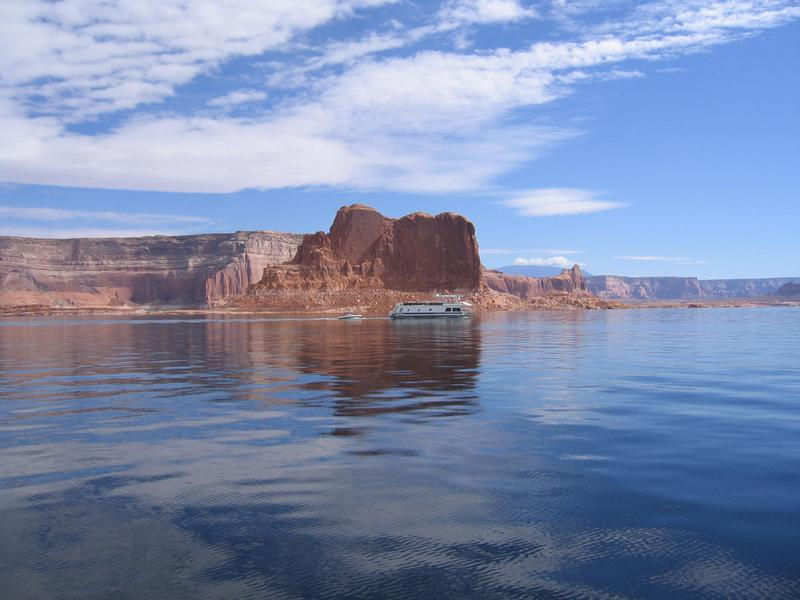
(633, 138)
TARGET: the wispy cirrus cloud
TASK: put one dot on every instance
(42, 213)
(551, 202)
(237, 97)
(484, 11)
(678, 260)
(66, 233)
(47, 222)
(382, 111)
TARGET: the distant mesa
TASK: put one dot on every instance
(536, 270)
(790, 289)
(569, 281)
(614, 287)
(645, 288)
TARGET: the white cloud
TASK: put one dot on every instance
(558, 201)
(426, 121)
(97, 56)
(237, 97)
(552, 261)
(30, 213)
(485, 11)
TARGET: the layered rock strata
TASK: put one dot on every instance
(193, 270)
(570, 281)
(790, 289)
(364, 249)
(682, 288)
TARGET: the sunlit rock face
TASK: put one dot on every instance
(570, 281)
(682, 288)
(645, 288)
(364, 249)
(192, 270)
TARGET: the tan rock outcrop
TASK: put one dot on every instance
(167, 270)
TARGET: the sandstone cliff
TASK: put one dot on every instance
(365, 260)
(182, 270)
(790, 289)
(645, 288)
(682, 288)
(742, 288)
(570, 281)
(364, 249)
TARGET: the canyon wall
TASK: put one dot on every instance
(682, 288)
(613, 287)
(569, 281)
(790, 289)
(743, 288)
(192, 270)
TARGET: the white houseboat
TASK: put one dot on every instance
(446, 307)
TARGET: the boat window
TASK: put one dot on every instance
(456, 310)
(448, 309)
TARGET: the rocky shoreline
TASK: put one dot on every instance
(483, 303)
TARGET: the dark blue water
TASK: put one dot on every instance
(623, 454)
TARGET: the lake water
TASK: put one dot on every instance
(619, 454)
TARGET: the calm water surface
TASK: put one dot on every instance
(624, 454)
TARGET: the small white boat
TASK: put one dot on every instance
(349, 316)
(448, 307)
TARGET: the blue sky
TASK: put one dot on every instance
(636, 138)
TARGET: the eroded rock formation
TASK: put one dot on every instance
(682, 288)
(742, 288)
(188, 270)
(645, 288)
(790, 289)
(365, 260)
(364, 249)
(570, 281)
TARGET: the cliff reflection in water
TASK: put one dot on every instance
(356, 368)
(383, 366)
(248, 458)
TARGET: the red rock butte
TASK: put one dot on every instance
(364, 249)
